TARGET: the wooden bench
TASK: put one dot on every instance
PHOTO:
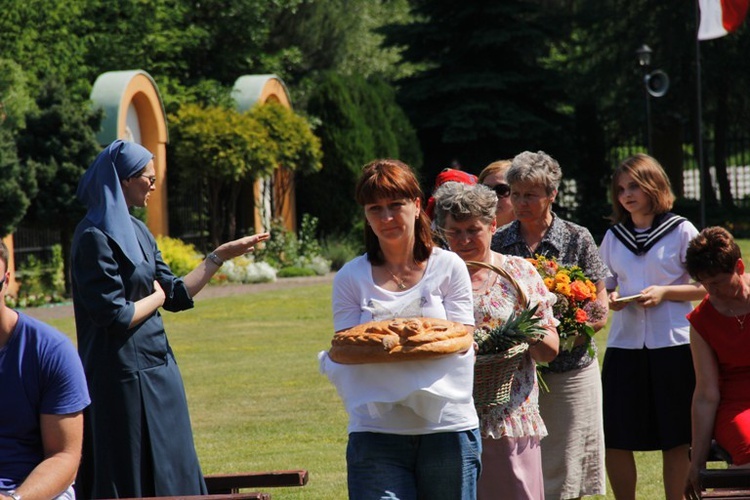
(229, 496)
(228, 486)
(724, 483)
(231, 483)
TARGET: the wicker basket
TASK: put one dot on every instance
(493, 373)
(493, 376)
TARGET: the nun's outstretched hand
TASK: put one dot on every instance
(200, 276)
(240, 246)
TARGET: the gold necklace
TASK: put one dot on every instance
(399, 282)
(740, 322)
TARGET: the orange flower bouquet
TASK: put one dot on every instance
(576, 304)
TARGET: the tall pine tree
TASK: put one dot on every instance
(58, 144)
(486, 92)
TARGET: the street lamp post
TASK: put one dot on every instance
(644, 61)
(655, 84)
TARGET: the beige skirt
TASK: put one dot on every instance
(573, 451)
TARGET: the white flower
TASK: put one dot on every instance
(245, 270)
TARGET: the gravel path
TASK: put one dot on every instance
(66, 310)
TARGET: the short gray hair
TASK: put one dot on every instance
(537, 168)
(464, 201)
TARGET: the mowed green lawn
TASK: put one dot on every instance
(257, 400)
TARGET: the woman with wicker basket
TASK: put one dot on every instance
(573, 453)
(505, 383)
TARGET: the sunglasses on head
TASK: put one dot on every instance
(502, 190)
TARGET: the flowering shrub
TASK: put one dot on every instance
(244, 269)
(576, 304)
(41, 282)
(295, 254)
(181, 257)
(317, 263)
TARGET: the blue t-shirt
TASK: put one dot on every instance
(40, 373)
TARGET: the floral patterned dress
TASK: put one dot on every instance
(520, 416)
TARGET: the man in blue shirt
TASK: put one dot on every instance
(43, 392)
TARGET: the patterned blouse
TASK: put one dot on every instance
(572, 245)
(520, 416)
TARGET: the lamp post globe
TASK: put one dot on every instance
(644, 55)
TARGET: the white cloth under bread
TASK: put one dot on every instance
(425, 386)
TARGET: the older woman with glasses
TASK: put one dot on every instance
(573, 453)
(493, 176)
(511, 432)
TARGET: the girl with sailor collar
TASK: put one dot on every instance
(647, 375)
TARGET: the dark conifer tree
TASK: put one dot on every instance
(58, 144)
(485, 91)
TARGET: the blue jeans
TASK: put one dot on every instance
(438, 466)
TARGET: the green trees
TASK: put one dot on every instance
(485, 92)
(298, 148)
(57, 144)
(195, 52)
(342, 35)
(47, 132)
(225, 150)
(43, 38)
(478, 80)
(359, 121)
(17, 185)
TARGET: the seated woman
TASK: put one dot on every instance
(721, 351)
(511, 432)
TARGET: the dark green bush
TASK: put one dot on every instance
(340, 249)
(359, 121)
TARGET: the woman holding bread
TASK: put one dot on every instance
(511, 432)
(412, 423)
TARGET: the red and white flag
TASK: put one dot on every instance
(721, 17)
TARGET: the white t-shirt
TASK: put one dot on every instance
(444, 292)
(665, 325)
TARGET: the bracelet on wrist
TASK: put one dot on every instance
(215, 259)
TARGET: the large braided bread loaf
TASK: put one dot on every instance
(399, 339)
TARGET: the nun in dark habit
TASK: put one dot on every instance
(137, 436)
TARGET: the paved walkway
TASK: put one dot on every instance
(212, 291)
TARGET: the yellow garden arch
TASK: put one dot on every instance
(273, 196)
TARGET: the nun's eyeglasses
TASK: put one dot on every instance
(151, 178)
